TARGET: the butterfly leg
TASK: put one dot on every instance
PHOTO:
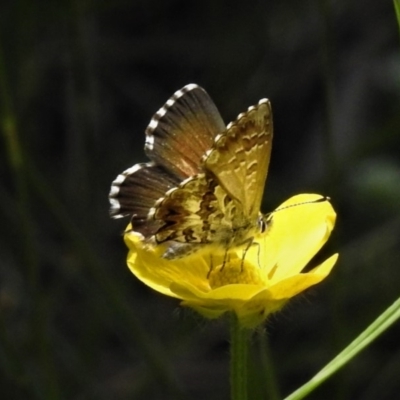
(226, 259)
(178, 250)
(211, 266)
(258, 251)
(248, 242)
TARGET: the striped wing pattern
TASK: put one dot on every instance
(177, 137)
(183, 130)
(135, 191)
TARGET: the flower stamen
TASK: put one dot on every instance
(235, 273)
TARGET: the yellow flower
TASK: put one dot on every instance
(269, 276)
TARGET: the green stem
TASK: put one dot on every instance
(268, 370)
(397, 10)
(239, 355)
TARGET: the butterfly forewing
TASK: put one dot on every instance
(240, 157)
(183, 130)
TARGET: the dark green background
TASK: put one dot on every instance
(80, 81)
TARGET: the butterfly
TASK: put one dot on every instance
(203, 186)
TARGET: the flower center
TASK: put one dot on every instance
(234, 273)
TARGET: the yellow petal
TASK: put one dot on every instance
(269, 276)
(251, 303)
(229, 293)
(293, 285)
(296, 234)
(146, 264)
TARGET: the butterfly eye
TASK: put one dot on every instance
(262, 224)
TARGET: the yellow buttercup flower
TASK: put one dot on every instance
(270, 275)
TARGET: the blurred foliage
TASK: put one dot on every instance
(79, 82)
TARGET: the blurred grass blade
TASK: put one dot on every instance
(397, 9)
(380, 325)
(18, 166)
(109, 288)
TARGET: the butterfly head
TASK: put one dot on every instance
(264, 221)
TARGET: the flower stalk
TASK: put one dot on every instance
(239, 359)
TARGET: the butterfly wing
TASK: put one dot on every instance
(183, 130)
(240, 157)
(197, 212)
(136, 190)
(177, 137)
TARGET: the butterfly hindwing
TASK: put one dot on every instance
(197, 213)
(185, 211)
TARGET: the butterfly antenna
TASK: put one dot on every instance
(320, 200)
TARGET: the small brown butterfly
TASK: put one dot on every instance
(204, 185)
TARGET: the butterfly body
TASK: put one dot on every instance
(203, 189)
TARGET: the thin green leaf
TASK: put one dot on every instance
(397, 10)
(380, 325)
